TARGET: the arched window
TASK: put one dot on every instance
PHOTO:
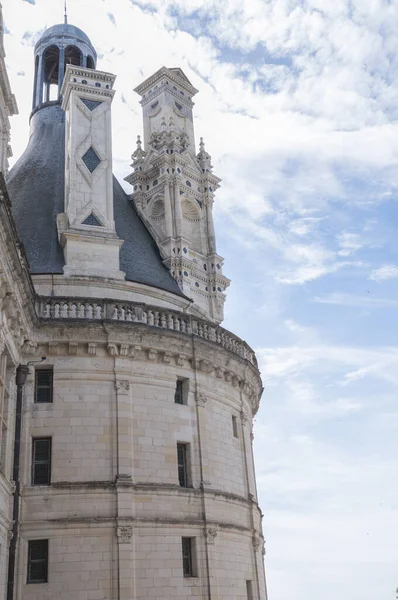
(90, 62)
(51, 65)
(73, 56)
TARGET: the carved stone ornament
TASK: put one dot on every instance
(124, 349)
(124, 534)
(244, 417)
(72, 348)
(29, 347)
(264, 551)
(122, 386)
(167, 358)
(134, 350)
(152, 354)
(257, 542)
(219, 373)
(180, 360)
(112, 349)
(2, 346)
(201, 399)
(251, 437)
(210, 535)
(53, 348)
(92, 349)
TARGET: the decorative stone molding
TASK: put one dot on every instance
(122, 386)
(244, 417)
(100, 309)
(219, 373)
(201, 399)
(134, 350)
(264, 551)
(29, 347)
(257, 542)
(167, 358)
(92, 349)
(180, 360)
(124, 349)
(124, 534)
(53, 348)
(72, 349)
(124, 480)
(152, 354)
(210, 535)
(113, 350)
(251, 437)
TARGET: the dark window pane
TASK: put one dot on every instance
(44, 385)
(41, 461)
(38, 561)
(187, 557)
(178, 396)
(182, 464)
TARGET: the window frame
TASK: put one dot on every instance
(41, 462)
(32, 562)
(249, 589)
(235, 430)
(181, 391)
(188, 549)
(46, 369)
(183, 466)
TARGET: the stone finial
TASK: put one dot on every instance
(204, 158)
(139, 154)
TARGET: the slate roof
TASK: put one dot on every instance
(36, 188)
(64, 30)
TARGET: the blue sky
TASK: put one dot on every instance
(298, 107)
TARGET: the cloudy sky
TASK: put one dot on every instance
(298, 105)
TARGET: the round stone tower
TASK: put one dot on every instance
(136, 464)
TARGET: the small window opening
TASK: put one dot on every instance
(38, 561)
(43, 386)
(182, 388)
(188, 557)
(249, 589)
(41, 461)
(183, 465)
(235, 426)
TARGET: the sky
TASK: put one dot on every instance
(297, 103)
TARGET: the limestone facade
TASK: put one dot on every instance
(151, 489)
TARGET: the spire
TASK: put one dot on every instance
(66, 14)
(204, 158)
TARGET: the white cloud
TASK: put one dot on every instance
(384, 272)
(352, 301)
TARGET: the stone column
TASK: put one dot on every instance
(61, 69)
(177, 209)
(167, 209)
(211, 234)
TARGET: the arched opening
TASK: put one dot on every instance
(90, 62)
(51, 66)
(73, 56)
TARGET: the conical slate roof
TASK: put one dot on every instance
(36, 188)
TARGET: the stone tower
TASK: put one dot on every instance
(126, 410)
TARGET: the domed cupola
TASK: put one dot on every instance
(71, 214)
(59, 46)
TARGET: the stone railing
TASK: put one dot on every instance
(130, 312)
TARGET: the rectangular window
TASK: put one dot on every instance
(235, 426)
(179, 392)
(188, 557)
(249, 589)
(183, 467)
(38, 561)
(41, 461)
(43, 386)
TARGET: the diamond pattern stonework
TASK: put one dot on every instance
(91, 104)
(91, 159)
